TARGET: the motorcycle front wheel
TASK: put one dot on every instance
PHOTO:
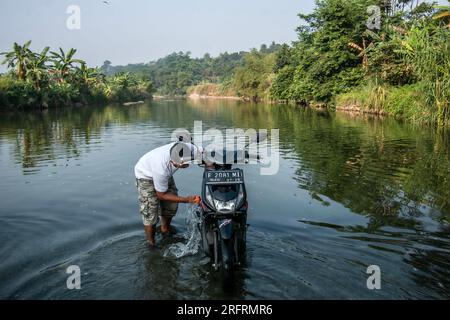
(227, 265)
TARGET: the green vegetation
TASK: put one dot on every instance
(244, 74)
(402, 69)
(175, 73)
(254, 78)
(51, 79)
(403, 102)
(321, 64)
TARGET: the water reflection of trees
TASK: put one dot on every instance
(40, 137)
(376, 167)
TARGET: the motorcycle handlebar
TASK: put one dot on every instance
(244, 160)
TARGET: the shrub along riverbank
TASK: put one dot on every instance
(407, 74)
(53, 79)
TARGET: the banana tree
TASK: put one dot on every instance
(124, 80)
(63, 62)
(37, 68)
(363, 49)
(426, 48)
(18, 58)
(444, 14)
(87, 75)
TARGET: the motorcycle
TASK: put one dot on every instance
(222, 213)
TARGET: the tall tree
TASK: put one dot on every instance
(324, 64)
(18, 58)
(106, 67)
(63, 62)
(253, 80)
(37, 69)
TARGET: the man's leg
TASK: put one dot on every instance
(149, 208)
(150, 233)
(168, 209)
(165, 224)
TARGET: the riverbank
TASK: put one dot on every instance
(196, 96)
(419, 103)
(414, 103)
(212, 91)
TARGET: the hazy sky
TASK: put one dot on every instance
(143, 30)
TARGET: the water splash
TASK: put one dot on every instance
(192, 235)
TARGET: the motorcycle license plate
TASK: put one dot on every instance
(224, 177)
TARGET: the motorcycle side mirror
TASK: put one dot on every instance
(259, 137)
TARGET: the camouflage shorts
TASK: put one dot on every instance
(150, 206)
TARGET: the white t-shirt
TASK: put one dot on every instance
(156, 165)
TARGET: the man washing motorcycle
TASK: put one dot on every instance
(158, 194)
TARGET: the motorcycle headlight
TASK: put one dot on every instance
(225, 206)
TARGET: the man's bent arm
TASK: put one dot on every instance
(165, 196)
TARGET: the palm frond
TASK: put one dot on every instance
(372, 34)
(355, 46)
(442, 15)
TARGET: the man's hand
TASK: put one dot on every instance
(194, 199)
(165, 196)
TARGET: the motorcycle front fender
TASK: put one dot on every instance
(226, 229)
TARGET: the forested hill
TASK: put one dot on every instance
(175, 73)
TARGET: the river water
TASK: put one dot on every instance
(351, 192)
